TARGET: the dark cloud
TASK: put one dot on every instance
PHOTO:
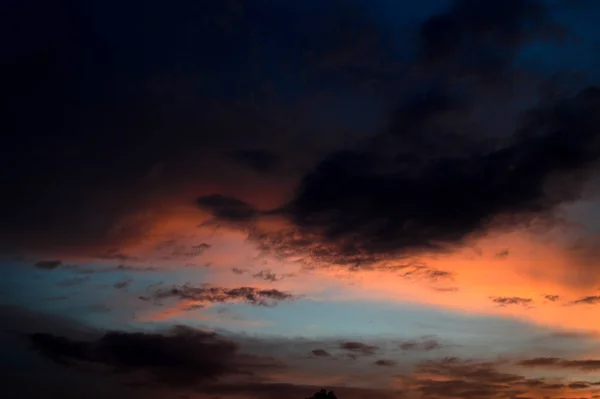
(227, 209)
(588, 300)
(426, 345)
(210, 294)
(385, 363)
(48, 264)
(513, 300)
(502, 254)
(477, 41)
(359, 347)
(457, 378)
(578, 385)
(268, 275)
(158, 116)
(259, 160)
(555, 362)
(116, 254)
(359, 207)
(238, 271)
(552, 298)
(182, 357)
(119, 285)
(320, 352)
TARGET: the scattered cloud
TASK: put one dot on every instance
(555, 362)
(119, 285)
(48, 264)
(426, 345)
(320, 352)
(385, 363)
(359, 347)
(588, 300)
(207, 294)
(552, 298)
(506, 301)
(502, 254)
(238, 271)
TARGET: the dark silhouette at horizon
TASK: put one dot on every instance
(323, 394)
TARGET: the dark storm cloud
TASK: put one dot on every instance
(354, 204)
(48, 264)
(106, 120)
(210, 294)
(259, 160)
(513, 300)
(425, 185)
(555, 362)
(182, 357)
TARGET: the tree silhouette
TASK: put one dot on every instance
(323, 394)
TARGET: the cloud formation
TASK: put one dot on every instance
(505, 301)
(588, 300)
(207, 294)
(555, 362)
(426, 345)
(359, 347)
(183, 356)
(48, 264)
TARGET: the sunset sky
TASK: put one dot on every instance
(244, 199)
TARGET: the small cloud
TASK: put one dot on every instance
(237, 271)
(505, 301)
(445, 289)
(268, 275)
(227, 209)
(320, 352)
(588, 300)
(135, 269)
(115, 254)
(122, 284)
(210, 294)
(359, 347)
(385, 363)
(502, 254)
(555, 362)
(48, 264)
(578, 385)
(427, 345)
(552, 298)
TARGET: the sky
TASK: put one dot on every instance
(244, 199)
